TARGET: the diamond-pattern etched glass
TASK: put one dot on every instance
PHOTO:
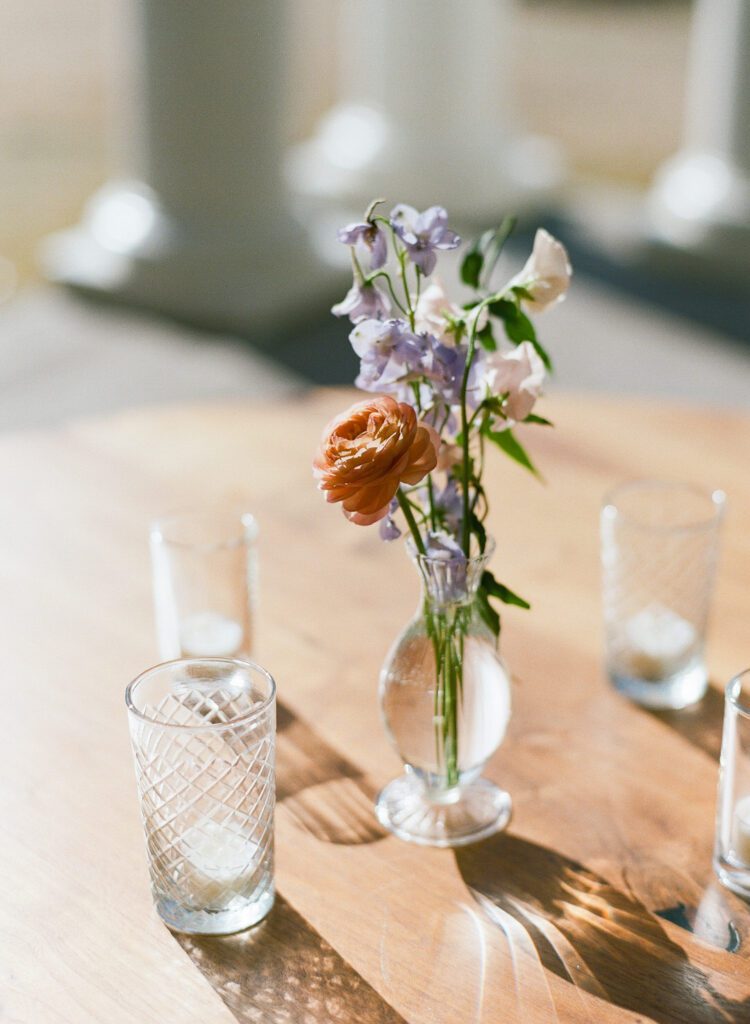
(203, 742)
(659, 549)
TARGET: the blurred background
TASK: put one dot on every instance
(172, 173)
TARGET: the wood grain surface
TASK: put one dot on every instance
(597, 905)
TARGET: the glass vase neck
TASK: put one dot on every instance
(447, 581)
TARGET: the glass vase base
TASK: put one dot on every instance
(480, 809)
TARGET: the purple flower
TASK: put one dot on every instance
(361, 302)
(444, 548)
(387, 527)
(405, 393)
(445, 365)
(368, 238)
(423, 233)
(449, 504)
(389, 352)
(446, 566)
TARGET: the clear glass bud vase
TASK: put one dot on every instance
(445, 700)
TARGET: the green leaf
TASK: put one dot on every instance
(486, 338)
(494, 404)
(517, 325)
(494, 589)
(487, 612)
(473, 261)
(533, 418)
(471, 268)
(483, 254)
(496, 244)
(522, 293)
(511, 446)
(543, 355)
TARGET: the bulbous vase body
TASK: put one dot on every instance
(445, 698)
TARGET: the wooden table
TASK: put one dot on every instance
(598, 904)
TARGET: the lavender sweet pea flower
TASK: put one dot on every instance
(445, 365)
(387, 527)
(389, 352)
(444, 548)
(423, 233)
(361, 302)
(446, 564)
(369, 239)
(449, 504)
(424, 401)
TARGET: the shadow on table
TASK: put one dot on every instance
(590, 934)
(326, 795)
(283, 970)
(700, 724)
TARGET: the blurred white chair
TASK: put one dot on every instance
(203, 230)
(425, 113)
(700, 201)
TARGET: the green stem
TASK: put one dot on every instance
(431, 498)
(475, 314)
(451, 672)
(405, 507)
(387, 276)
(404, 280)
(358, 272)
(466, 532)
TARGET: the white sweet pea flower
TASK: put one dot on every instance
(519, 374)
(433, 309)
(449, 455)
(546, 275)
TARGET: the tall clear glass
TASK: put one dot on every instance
(659, 549)
(203, 737)
(732, 849)
(204, 572)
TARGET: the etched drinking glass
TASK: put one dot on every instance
(732, 849)
(203, 736)
(659, 551)
(204, 574)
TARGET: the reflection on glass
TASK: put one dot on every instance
(732, 850)
(659, 549)
(204, 573)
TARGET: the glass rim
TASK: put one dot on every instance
(733, 691)
(243, 719)
(716, 497)
(247, 526)
(489, 550)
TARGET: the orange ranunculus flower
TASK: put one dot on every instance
(368, 451)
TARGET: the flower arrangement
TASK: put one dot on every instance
(443, 385)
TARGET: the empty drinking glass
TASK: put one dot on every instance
(659, 551)
(204, 570)
(203, 736)
(732, 850)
